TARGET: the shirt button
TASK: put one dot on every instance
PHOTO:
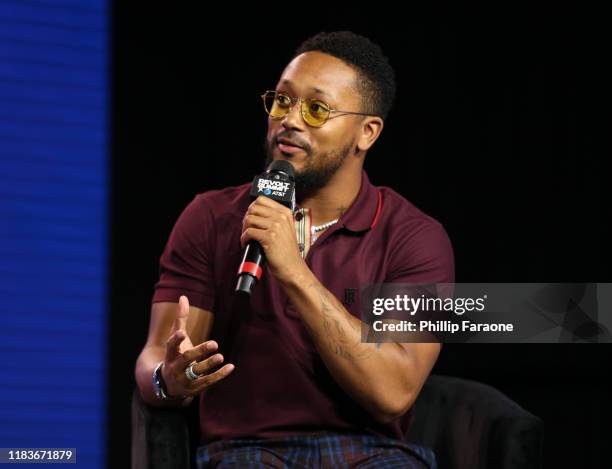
(298, 216)
(301, 246)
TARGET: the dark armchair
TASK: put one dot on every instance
(472, 425)
(469, 425)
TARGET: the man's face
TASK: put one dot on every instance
(322, 150)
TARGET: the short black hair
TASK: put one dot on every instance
(376, 78)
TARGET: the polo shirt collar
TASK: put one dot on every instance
(365, 209)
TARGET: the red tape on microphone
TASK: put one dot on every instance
(250, 268)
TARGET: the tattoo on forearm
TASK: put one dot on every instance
(339, 337)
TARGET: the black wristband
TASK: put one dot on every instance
(160, 386)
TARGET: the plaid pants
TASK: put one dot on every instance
(320, 451)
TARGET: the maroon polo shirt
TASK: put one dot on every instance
(280, 385)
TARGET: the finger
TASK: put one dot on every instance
(212, 378)
(268, 211)
(255, 221)
(278, 212)
(205, 366)
(182, 313)
(200, 351)
(266, 203)
(173, 344)
(253, 233)
(261, 211)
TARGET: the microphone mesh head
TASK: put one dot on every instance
(283, 166)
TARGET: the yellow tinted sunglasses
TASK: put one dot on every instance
(314, 111)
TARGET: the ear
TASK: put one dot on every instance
(371, 127)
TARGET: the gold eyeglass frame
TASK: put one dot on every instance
(303, 110)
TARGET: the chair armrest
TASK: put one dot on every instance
(473, 425)
(160, 436)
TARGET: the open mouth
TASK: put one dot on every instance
(289, 149)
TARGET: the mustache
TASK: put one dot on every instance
(293, 137)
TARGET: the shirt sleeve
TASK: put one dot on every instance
(423, 254)
(421, 260)
(185, 266)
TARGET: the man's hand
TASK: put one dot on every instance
(180, 353)
(271, 224)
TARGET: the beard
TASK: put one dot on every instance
(318, 169)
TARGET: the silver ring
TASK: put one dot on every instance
(191, 375)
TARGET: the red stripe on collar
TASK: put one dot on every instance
(377, 210)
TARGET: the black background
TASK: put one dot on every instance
(497, 132)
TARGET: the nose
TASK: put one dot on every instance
(293, 119)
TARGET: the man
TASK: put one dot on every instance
(299, 388)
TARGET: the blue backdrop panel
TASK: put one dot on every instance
(54, 170)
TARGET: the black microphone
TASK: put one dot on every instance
(278, 183)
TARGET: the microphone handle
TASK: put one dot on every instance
(250, 269)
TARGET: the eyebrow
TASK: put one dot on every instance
(313, 88)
